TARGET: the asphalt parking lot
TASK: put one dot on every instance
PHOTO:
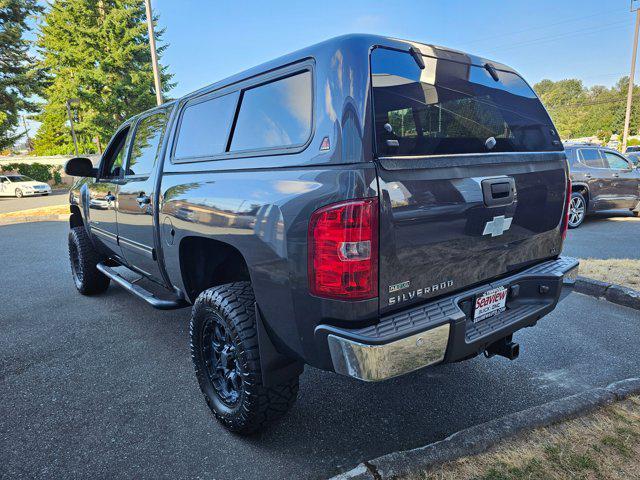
(605, 235)
(103, 386)
(12, 204)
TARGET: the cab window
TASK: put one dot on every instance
(113, 157)
(146, 144)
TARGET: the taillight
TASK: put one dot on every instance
(567, 207)
(343, 250)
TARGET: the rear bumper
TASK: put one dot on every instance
(443, 331)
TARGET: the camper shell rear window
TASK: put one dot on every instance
(452, 107)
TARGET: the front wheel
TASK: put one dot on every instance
(84, 258)
(577, 210)
(18, 193)
(224, 349)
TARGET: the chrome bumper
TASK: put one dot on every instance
(377, 361)
(373, 363)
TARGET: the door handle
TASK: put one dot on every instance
(616, 175)
(143, 200)
(498, 191)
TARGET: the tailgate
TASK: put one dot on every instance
(472, 174)
(438, 235)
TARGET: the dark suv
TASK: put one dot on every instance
(602, 179)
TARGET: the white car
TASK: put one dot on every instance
(21, 186)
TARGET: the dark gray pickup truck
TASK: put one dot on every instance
(367, 205)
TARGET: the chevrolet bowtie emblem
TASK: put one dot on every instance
(497, 226)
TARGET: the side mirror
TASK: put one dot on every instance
(80, 167)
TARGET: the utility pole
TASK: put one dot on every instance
(73, 132)
(627, 117)
(26, 133)
(154, 56)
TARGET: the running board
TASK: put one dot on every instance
(140, 292)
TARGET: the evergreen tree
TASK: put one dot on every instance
(18, 78)
(98, 52)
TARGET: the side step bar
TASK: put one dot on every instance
(140, 292)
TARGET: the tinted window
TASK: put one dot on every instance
(205, 126)
(277, 114)
(634, 157)
(147, 140)
(591, 157)
(616, 162)
(452, 107)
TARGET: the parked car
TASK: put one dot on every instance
(367, 206)
(633, 148)
(21, 185)
(602, 179)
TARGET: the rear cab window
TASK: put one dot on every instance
(451, 107)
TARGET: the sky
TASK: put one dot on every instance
(210, 40)
(586, 39)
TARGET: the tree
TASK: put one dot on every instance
(578, 111)
(96, 51)
(19, 80)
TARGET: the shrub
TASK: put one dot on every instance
(57, 178)
(37, 171)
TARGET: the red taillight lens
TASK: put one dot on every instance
(343, 250)
(567, 207)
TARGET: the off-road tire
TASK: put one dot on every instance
(233, 305)
(577, 199)
(18, 193)
(84, 258)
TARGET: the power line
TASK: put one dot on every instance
(582, 31)
(549, 25)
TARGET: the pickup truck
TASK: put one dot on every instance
(368, 206)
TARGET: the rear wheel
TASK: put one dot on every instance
(84, 258)
(577, 210)
(18, 193)
(224, 349)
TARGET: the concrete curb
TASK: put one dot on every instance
(35, 218)
(479, 438)
(627, 297)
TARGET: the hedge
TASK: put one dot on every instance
(37, 171)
